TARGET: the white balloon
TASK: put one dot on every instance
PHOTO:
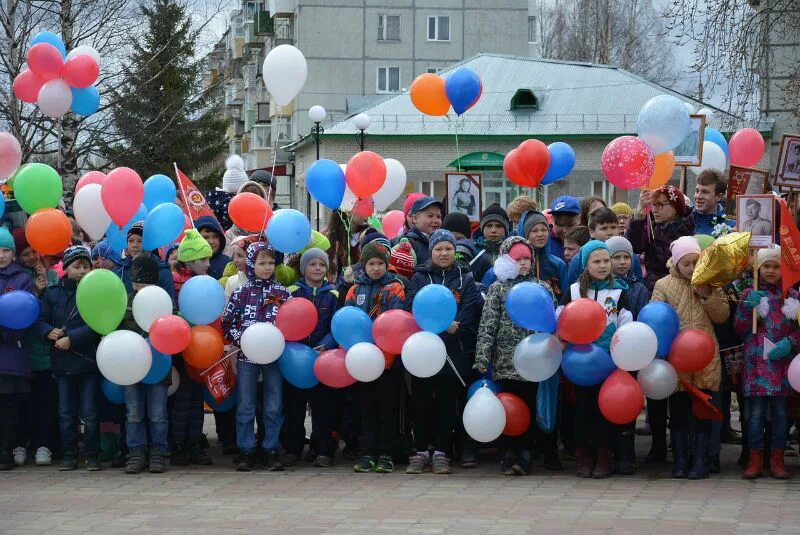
(84, 50)
(124, 357)
(55, 98)
(393, 187)
(484, 416)
(176, 382)
(149, 304)
(365, 362)
(262, 343)
(348, 201)
(689, 108)
(634, 346)
(658, 379)
(705, 111)
(713, 158)
(537, 357)
(90, 213)
(424, 354)
(285, 71)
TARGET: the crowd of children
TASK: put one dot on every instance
(620, 257)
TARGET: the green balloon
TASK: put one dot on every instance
(102, 300)
(704, 240)
(37, 186)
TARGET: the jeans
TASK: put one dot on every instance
(187, 411)
(38, 417)
(147, 404)
(78, 396)
(435, 402)
(272, 401)
(757, 418)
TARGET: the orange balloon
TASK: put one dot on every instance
(205, 348)
(429, 96)
(48, 231)
(665, 165)
(249, 212)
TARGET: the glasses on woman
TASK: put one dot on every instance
(659, 205)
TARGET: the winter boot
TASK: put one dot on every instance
(584, 462)
(602, 469)
(680, 454)
(755, 462)
(700, 466)
(776, 467)
(627, 455)
(158, 462)
(197, 455)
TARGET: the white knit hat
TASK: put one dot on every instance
(234, 175)
(771, 253)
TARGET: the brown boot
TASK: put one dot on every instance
(776, 467)
(603, 467)
(584, 462)
(754, 463)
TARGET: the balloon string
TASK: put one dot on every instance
(458, 150)
(346, 221)
(220, 360)
(455, 370)
(273, 179)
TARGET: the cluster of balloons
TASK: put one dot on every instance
(433, 95)
(535, 164)
(59, 82)
(745, 149)
(38, 190)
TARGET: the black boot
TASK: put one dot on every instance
(658, 449)
(136, 461)
(680, 454)
(179, 457)
(627, 454)
(700, 467)
(197, 455)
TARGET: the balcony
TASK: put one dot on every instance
(282, 8)
(263, 23)
(284, 31)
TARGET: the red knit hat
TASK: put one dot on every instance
(674, 197)
(520, 250)
(410, 201)
(403, 258)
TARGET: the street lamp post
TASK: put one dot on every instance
(317, 115)
(361, 121)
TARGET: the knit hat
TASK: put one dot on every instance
(193, 247)
(590, 247)
(411, 198)
(6, 240)
(439, 236)
(377, 250)
(765, 255)
(252, 184)
(371, 234)
(465, 250)
(520, 250)
(683, 246)
(310, 255)
(424, 202)
(618, 244)
(137, 228)
(622, 209)
(495, 212)
(674, 197)
(457, 222)
(265, 178)
(403, 258)
(74, 253)
(144, 268)
(234, 175)
(20, 240)
(530, 219)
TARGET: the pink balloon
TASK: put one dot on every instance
(10, 155)
(330, 369)
(92, 177)
(793, 374)
(80, 71)
(27, 86)
(393, 223)
(746, 147)
(45, 61)
(122, 194)
(627, 162)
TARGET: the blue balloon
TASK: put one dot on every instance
(326, 183)
(491, 385)
(159, 189)
(2, 206)
(227, 404)
(434, 308)
(288, 231)
(587, 365)
(351, 325)
(664, 321)
(201, 300)
(161, 366)
(113, 392)
(85, 101)
(118, 237)
(663, 123)
(297, 365)
(463, 88)
(531, 307)
(163, 226)
(51, 39)
(562, 161)
(18, 310)
(715, 136)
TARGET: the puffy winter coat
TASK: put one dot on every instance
(14, 359)
(376, 297)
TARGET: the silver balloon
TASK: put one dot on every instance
(658, 379)
(538, 357)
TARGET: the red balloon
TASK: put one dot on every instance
(582, 321)
(27, 86)
(331, 370)
(692, 351)
(170, 334)
(620, 398)
(205, 347)
(746, 147)
(122, 194)
(393, 223)
(92, 177)
(249, 212)
(514, 172)
(296, 319)
(518, 415)
(80, 71)
(534, 159)
(45, 61)
(628, 162)
(364, 207)
(365, 174)
(391, 329)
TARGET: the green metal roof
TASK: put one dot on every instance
(478, 160)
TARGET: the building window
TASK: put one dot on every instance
(433, 70)
(524, 99)
(439, 28)
(388, 27)
(532, 30)
(388, 79)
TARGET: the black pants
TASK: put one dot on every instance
(545, 442)
(592, 430)
(186, 420)
(680, 414)
(38, 414)
(225, 422)
(379, 401)
(435, 406)
(323, 418)
(9, 415)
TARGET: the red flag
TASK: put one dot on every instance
(194, 203)
(790, 248)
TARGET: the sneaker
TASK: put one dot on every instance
(93, 465)
(364, 464)
(68, 464)
(469, 459)
(20, 456)
(384, 465)
(158, 463)
(271, 462)
(418, 463)
(323, 461)
(135, 462)
(507, 464)
(441, 464)
(246, 463)
(44, 457)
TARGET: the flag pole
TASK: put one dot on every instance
(183, 193)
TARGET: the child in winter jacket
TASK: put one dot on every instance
(211, 231)
(494, 228)
(73, 360)
(498, 336)
(376, 291)
(435, 399)
(256, 302)
(313, 286)
(765, 383)
(698, 307)
(133, 248)
(426, 215)
(592, 430)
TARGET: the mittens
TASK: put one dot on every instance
(754, 298)
(781, 350)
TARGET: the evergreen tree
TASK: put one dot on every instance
(165, 114)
